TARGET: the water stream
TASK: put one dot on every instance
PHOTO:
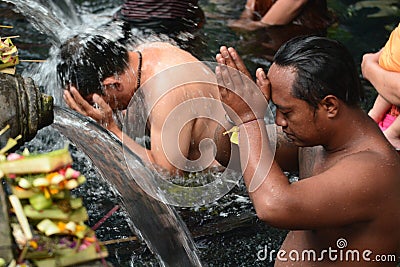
(157, 224)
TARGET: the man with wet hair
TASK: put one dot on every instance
(344, 209)
(171, 89)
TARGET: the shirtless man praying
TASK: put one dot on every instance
(344, 210)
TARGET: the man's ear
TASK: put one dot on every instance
(111, 82)
(330, 104)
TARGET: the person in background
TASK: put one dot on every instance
(274, 22)
(383, 112)
(167, 17)
(312, 14)
(100, 77)
(344, 209)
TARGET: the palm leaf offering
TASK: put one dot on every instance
(47, 221)
(11, 142)
(8, 56)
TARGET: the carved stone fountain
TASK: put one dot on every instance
(23, 107)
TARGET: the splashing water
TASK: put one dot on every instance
(59, 21)
(50, 20)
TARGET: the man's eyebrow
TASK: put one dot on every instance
(280, 107)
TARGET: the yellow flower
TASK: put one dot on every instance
(234, 134)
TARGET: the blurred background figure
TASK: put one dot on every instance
(312, 14)
(170, 17)
(264, 25)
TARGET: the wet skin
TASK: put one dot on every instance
(175, 140)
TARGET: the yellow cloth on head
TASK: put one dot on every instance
(390, 56)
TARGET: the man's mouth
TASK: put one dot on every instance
(288, 136)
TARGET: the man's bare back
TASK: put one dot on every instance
(159, 87)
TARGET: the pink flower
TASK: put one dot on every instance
(14, 156)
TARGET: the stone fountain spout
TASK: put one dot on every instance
(23, 107)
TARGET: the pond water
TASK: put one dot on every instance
(227, 232)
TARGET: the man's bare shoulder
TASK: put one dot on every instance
(371, 165)
(362, 166)
(375, 155)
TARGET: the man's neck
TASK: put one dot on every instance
(348, 131)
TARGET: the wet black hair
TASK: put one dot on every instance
(87, 60)
(324, 67)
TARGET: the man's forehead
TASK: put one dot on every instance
(288, 72)
(282, 79)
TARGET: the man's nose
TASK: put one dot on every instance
(280, 120)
